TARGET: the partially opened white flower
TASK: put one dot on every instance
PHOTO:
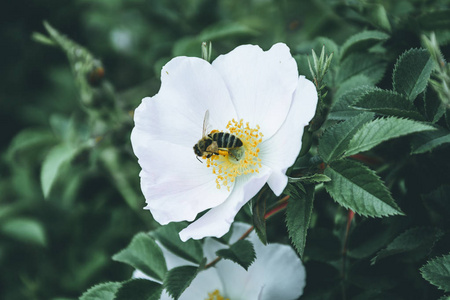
(255, 95)
(277, 273)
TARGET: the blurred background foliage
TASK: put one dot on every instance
(69, 190)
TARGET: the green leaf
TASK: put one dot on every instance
(437, 272)
(411, 73)
(335, 140)
(241, 252)
(144, 254)
(311, 179)
(25, 230)
(429, 140)
(168, 235)
(178, 279)
(29, 141)
(356, 187)
(346, 96)
(226, 30)
(387, 103)
(376, 14)
(103, 291)
(141, 289)
(298, 214)
(419, 238)
(379, 130)
(57, 156)
(357, 64)
(362, 41)
(258, 216)
(434, 20)
(434, 107)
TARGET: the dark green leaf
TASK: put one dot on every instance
(357, 64)
(103, 291)
(429, 140)
(25, 230)
(59, 155)
(29, 141)
(144, 254)
(335, 140)
(434, 107)
(376, 14)
(356, 187)
(312, 179)
(437, 272)
(411, 73)
(141, 289)
(379, 130)
(298, 214)
(419, 238)
(178, 279)
(241, 252)
(434, 20)
(388, 103)
(168, 235)
(258, 216)
(346, 96)
(362, 41)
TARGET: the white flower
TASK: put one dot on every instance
(254, 94)
(277, 273)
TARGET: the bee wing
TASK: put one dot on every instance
(205, 123)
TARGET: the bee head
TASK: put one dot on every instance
(197, 150)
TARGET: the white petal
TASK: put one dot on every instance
(189, 87)
(175, 184)
(277, 273)
(280, 151)
(206, 282)
(261, 84)
(216, 222)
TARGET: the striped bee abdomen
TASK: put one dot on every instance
(225, 140)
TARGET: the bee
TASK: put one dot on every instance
(215, 143)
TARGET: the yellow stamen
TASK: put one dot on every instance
(243, 160)
(215, 296)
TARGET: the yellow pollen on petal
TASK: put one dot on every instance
(239, 161)
(216, 296)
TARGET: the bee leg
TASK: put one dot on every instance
(223, 152)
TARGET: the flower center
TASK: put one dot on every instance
(215, 296)
(237, 161)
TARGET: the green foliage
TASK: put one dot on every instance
(437, 272)
(104, 291)
(179, 278)
(190, 250)
(298, 214)
(379, 130)
(388, 103)
(362, 41)
(25, 230)
(70, 184)
(57, 156)
(428, 140)
(419, 239)
(411, 73)
(144, 254)
(241, 252)
(336, 139)
(358, 188)
(139, 289)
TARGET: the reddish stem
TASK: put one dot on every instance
(282, 205)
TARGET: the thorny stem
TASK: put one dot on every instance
(281, 204)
